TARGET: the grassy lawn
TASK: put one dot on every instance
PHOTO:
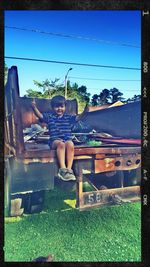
(108, 234)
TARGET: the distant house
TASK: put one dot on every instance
(95, 108)
(117, 103)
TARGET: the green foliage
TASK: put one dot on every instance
(134, 98)
(110, 234)
(104, 97)
(115, 95)
(107, 96)
(94, 100)
(94, 143)
(52, 88)
(33, 93)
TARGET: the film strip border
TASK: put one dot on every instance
(145, 183)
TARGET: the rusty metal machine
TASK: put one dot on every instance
(112, 168)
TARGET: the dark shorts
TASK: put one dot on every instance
(50, 142)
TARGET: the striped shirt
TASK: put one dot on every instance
(59, 127)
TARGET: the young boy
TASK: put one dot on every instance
(59, 125)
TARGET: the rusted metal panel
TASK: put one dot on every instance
(127, 162)
(43, 105)
(12, 111)
(79, 183)
(99, 156)
(10, 149)
(32, 177)
(102, 164)
(84, 164)
(122, 121)
(109, 197)
(7, 195)
(17, 110)
(9, 113)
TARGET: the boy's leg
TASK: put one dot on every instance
(64, 173)
(60, 148)
(69, 154)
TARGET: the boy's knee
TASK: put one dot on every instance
(70, 145)
(61, 145)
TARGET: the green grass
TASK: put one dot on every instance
(109, 234)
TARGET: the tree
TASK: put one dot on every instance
(94, 100)
(52, 88)
(80, 93)
(104, 97)
(107, 96)
(49, 87)
(82, 90)
(33, 93)
(134, 98)
(116, 95)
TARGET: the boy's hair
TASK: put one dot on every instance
(57, 101)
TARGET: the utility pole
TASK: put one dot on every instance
(66, 83)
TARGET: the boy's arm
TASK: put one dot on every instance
(36, 111)
(83, 114)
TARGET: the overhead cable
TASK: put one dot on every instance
(73, 36)
(100, 89)
(72, 63)
(96, 79)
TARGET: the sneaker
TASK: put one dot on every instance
(66, 174)
(71, 174)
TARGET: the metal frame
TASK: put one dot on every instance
(101, 159)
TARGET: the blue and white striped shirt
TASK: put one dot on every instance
(59, 127)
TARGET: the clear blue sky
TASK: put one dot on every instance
(118, 27)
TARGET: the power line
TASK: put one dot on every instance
(73, 36)
(95, 79)
(72, 63)
(124, 90)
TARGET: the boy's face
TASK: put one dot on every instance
(60, 109)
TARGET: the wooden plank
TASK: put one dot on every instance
(82, 157)
(42, 160)
(100, 156)
(107, 150)
(110, 139)
(35, 150)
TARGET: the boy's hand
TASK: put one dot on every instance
(83, 114)
(35, 110)
(33, 104)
